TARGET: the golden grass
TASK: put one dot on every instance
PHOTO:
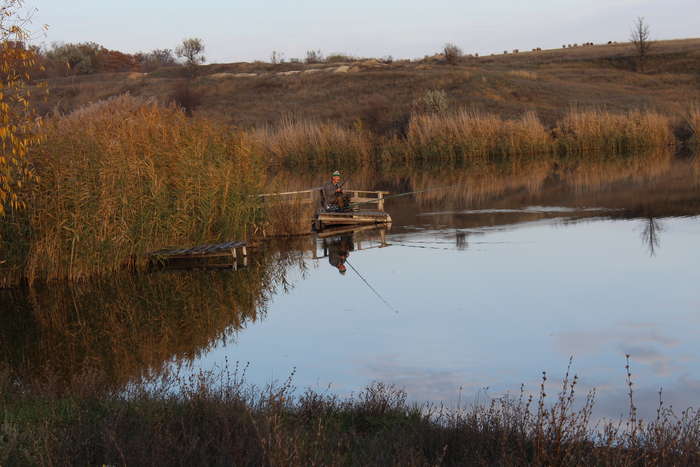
(595, 130)
(307, 143)
(124, 177)
(692, 119)
(467, 135)
(523, 74)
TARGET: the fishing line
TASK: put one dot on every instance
(372, 288)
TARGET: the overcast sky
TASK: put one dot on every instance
(236, 30)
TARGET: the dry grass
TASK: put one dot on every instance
(472, 136)
(595, 130)
(218, 419)
(124, 177)
(692, 119)
(595, 77)
(523, 74)
(306, 143)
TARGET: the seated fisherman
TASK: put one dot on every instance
(332, 196)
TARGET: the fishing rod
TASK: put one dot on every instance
(372, 288)
(377, 200)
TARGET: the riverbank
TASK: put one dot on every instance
(221, 420)
(124, 177)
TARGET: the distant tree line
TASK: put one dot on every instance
(84, 58)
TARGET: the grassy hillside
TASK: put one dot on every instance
(381, 94)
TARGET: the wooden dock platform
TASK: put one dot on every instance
(329, 219)
(220, 255)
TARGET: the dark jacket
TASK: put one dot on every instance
(328, 194)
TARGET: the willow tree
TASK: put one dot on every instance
(19, 124)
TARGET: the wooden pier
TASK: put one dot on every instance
(323, 219)
(220, 255)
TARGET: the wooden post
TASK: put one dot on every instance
(380, 205)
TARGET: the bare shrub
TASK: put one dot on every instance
(452, 53)
(276, 57)
(434, 101)
(314, 56)
(156, 58)
(339, 57)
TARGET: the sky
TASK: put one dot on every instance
(236, 30)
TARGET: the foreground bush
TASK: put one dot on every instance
(202, 420)
(124, 177)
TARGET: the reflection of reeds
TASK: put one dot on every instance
(594, 171)
(593, 130)
(128, 326)
(469, 135)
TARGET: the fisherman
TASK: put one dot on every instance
(332, 197)
(339, 249)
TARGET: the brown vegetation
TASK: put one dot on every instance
(124, 177)
(596, 77)
(218, 419)
(469, 135)
(590, 131)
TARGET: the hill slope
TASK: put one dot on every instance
(381, 95)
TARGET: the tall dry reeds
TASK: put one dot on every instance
(582, 131)
(314, 144)
(472, 136)
(692, 119)
(124, 177)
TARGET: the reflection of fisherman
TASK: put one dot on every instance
(332, 196)
(339, 249)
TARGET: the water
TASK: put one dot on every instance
(471, 292)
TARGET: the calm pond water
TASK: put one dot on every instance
(472, 291)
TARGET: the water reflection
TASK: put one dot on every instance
(126, 326)
(510, 272)
(650, 234)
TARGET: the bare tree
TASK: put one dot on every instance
(640, 37)
(191, 50)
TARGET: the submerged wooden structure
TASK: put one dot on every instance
(373, 214)
(220, 255)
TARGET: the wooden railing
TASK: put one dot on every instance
(311, 196)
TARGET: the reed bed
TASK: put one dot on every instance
(220, 419)
(472, 136)
(583, 131)
(124, 177)
(314, 144)
(692, 119)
